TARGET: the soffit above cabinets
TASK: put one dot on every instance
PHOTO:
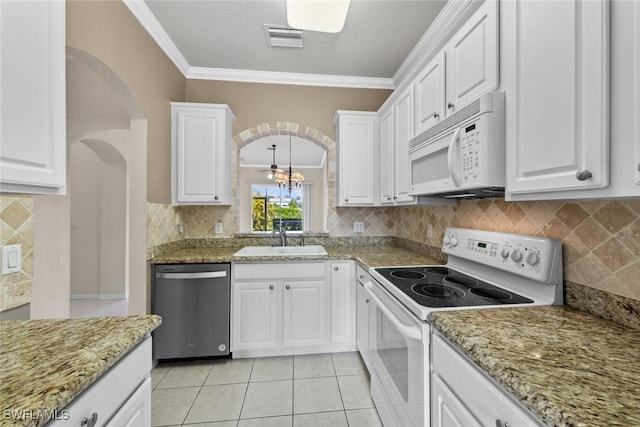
(225, 40)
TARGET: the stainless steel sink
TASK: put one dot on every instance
(311, 250)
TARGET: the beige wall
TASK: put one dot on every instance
(601, 238)
(108, 31)
(254, 103)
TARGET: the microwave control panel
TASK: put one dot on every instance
(470, 152)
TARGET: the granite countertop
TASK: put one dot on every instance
(367, 255)
(45, 364)
(568, 367)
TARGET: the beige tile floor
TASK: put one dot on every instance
(301, 391)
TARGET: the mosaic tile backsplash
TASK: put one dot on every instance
(601, 238)
(16, 227)
(162, 226)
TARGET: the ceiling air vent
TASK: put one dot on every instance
(280, 36)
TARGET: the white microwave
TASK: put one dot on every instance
(463, 155)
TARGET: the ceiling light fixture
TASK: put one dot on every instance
(327, 16)
(291, 180)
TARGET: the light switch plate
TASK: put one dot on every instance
(11, 259)
(358, 226)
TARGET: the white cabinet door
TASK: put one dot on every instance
(304, 313)
(32, 93)
(136, 411)
(387, 145)
(472, 58)
(429, 94)
(357, 138)
(254, 315)
(343, 303)
(447, 410)
(201, 154)
(636, 92)
(558, 89)
(362, 325)
(403, 133)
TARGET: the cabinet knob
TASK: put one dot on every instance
(583, 175)
(287, 287)
(500, 423)
(436, 116)
(271, 287)
(335, 268)
(638, 167)
(361, 277)
(91, 421)
(346, 199)
(388, 197)
(215, 197)
(450, 106)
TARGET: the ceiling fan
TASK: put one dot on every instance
(274, 167)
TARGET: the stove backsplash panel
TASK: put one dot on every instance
(601, 239)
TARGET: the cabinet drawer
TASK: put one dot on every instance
(280, 270)
(482, 398)
(111, 391)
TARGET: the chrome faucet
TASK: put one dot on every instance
(283, 235)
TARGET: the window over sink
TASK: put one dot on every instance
(274, 208)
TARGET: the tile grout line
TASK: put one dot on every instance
(246, 391)
(197, 394)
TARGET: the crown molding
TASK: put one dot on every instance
(147, 19)
(276, 77)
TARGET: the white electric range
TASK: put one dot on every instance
(484, 270)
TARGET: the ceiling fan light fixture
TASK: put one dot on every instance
(326, 16)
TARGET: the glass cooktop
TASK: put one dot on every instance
(444, 287)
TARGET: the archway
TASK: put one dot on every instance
(250, 135)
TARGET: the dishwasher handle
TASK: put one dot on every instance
(201, 275)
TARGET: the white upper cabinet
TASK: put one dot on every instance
(557, 97)
(403, 109)
(387, 150)
(635, 40)
(465, 68)
(472, 57)
(32, 92)
(429, 90)
(201, 154)
(357, 145)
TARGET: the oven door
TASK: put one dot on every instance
(399, 356)
(435, 164)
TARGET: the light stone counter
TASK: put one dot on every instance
(367, 255)
(45, 364)
(569, 367)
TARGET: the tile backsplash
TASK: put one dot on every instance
(16, 227)
(601, 238)
(162, 225)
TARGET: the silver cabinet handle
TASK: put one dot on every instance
(361, 277)
(91, 421)
(271, 287)
(436, 115)
(583, 175)
(287, 287)
(450, 105)
(203, 275)
(215, 197)
(500, 423)
(346, 199)
(638, 167)
(336, 268)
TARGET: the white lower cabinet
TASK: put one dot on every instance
(461, 395)
(120, 398)
(292, 308)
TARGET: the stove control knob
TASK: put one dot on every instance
(454, 241)
(447, 240)
(505, 253)
(533, 258)
(516, 255)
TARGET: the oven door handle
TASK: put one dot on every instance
(453, 172)
(407, 331)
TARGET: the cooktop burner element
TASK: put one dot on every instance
(408, 274)
(445, 287)
(437, 291)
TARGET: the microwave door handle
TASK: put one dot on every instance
(407, 331)
(453, 173)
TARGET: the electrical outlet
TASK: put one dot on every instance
(218, 228)
(429, 230)
(358, 226)
(11, 259)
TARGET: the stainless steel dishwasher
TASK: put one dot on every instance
(193, 300)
